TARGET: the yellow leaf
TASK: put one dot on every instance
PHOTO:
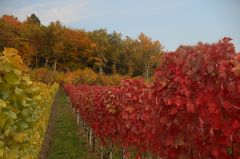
(27, 80)
(10, 52)
(3, 120)
(12, 78)
(12, 154)
(18, 91)
(20, 137)
(2, 104)
(1, 152)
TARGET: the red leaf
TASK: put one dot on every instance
(226, 105)
(186, 91)
(215, 152)
(145, 116)
(169, 140)
(210, 68)
(163, 120)
(238, 87)
(125, 116)
(190, 107)
(236, 124)
(212, 107)
(128, 125)
(173, 111)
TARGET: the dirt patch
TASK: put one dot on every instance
(50, 130)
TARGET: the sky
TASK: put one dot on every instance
(172, 22)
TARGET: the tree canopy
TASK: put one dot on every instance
(63, 49)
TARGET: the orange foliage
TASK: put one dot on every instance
(11, 20)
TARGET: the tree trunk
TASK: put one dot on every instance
(94, 142)
(46, 62)
(130, 70)
(55, 65)
(100, 70)
(101, 152)
(114, 69)
(123, 154)
(147, 70)
(28, 61)
(36, 61)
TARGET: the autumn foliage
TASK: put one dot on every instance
(190, 110)
(65, 49)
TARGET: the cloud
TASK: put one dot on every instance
(65, 11)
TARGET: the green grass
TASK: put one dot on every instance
(67, 143)
(68, 140)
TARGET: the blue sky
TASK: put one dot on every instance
(172, 22)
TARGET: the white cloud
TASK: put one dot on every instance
(65, 11)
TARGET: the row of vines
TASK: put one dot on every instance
(190, 110)
(24, 109)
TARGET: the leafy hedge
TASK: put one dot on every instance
(24, 108)
(86, 76)
(190, 110)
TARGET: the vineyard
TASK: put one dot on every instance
(189, 111)
(119, 79)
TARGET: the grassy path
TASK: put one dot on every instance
(64, 138)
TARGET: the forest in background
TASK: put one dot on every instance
(65, 49)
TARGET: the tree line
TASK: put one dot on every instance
(65, 49)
